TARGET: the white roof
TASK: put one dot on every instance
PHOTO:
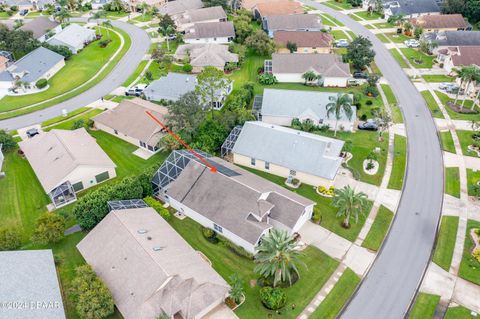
(296, 150)
(55, 154)
(73, 35)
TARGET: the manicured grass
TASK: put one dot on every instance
(225, 262)
(153, 46)
(338, 296)
(445, 245)
(68, 125)
(399, 163)
(470, 267)
(384, 25)
(143, 18)
(369, 16)
(332, 19)
(459, 312)
(324, 206)
(339, 34)
(399, 58)
(337, 5)
(382, 38)
(355, 17)
(473, 178)
(447, 141)
(424, 307)
(397, 38)
(432, 105)
(392, 101)
(379, 229)
(116, 14)
(135, 73)
(437, 78)
(465, 138)
(414, 56)
(80, 68)
(454, 115)
(452, 181)
(63, 118)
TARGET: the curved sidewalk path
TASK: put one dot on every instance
(125, 67)
(391, 284)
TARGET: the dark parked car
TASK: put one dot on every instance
(369, 125)
(360, 75)
(23, 12)
(32, 132)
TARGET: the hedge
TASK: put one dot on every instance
(155, 204)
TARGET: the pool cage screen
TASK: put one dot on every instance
(62, 194)
(229, 143)
(126, 204)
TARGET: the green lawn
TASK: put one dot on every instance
(432, 105)
(397, 38)
(452, 181)
(384, 25)
(459, 312)
(339, 34)
(382, 38)
(399, 163)
(312, 278)
(399, 58)
(332, 19)
(445, 244)
(424, 307)
(68, 125)
(447, 142)
(418, 59)
(369, 16)
(143, 18)
(437, 78)
(63, 118)
(454, 115)
(116, 14)
(379, 229)
(338, 5)
(473, 177)
(135, 73)
(338, 296)
(465, 138)
(470, 267)
(392, 101)
(354, 17)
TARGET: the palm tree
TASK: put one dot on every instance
(117, 5)
(466, 75)
(277, 257)
(97, 16)
(166, 31)
(62, 15)
(349, 204)
(473, 74)
(108, 25)
(310, 76)
(477, 80)
(342, 103)
(236, 288)
(143, 7)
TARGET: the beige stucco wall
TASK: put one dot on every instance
(281, 171)
(306, 50)
(111, 131)
(86, 175)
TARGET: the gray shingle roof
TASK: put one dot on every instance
(203, 14)
(408, 7)
(330, 65)
(180, 6)
(206, 54)
(171, 87)
(211, 30)
(454, 38)
(29, 276)
(39, 26)
(294, 103)
(36, 64)
(300, 151)
(293, 22)
(73, 35)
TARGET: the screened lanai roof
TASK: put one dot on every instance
(126, 204)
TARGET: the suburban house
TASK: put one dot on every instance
(310, 158)
(276, 8)
(98, 4)
(455, 57)
(210, 32)
(187, 19)
(442, 22)
(28, 4)
(292, 22)
(42, 28)
(74, 36)
(201, 55)
(306, 41)
(447, 39)
(407, 8)
(178, 6)
(280, 107)
(67, 162)
(149, 268)
(29, 278)
(235, 203)
(3, 63)
(130, 122)
(41, 63)
(249, 4)
(172, 86)
(290, 68)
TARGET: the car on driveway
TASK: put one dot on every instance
(369, 125)
(23, 12)
(412, 43)
(360, 75)
(32, 132)
(342, 43)
(446, 85)
(136, 90)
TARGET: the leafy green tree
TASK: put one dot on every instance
(60, 49)
(18, 42)
(185, 115)
(166, 31)
(236, 290)
(291, 46)
(453, 6)
(350, 204)
(260, 43)
(78, 124)
(63, 16)
(277, 257)
(427, 47)
(10, 238)
(214, 3)
(267, 79)
(92, 298)
(418, 32)
(340, 104)
(211, 84)
(117, 5)
(97, 16)
(360, 53)
(310, 76)
(242, 22)
(49, 228)
(166, 21)
(7, 141)
(384, 121)
(210, 136)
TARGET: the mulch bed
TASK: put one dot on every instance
(457, 108)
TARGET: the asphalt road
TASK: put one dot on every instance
(391, 283)
(126, 66)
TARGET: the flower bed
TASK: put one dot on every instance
(326, 192)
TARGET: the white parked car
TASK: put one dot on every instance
(342, 43)
(412, 43)
(136, 90)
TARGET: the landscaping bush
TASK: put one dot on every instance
(316, 216)
(78, 124)
(369, 102)
(104, 43)
(476, 254)
(240, 251)
(155, 204)
(187, 68)
(230, 66)
(267, 79)
(7, 141)
(371, 91)
(273, 298)
(9, 238)
(41, 83)
(49, 228)
(363, 117)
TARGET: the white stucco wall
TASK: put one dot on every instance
(297, 78)
(86, 175)
(287, 121)
(335, 82)
(221, 40)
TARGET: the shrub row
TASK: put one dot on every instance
(155, 204)
(215, 238)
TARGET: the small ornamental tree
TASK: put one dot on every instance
(291, 46)
(211, 83)
(7, 141)
(49, 229)
(236, 290)
(260, 43)
(10, 238)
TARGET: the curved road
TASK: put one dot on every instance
(125, 67)
(388, 289)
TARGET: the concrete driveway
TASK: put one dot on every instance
(392, 282)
